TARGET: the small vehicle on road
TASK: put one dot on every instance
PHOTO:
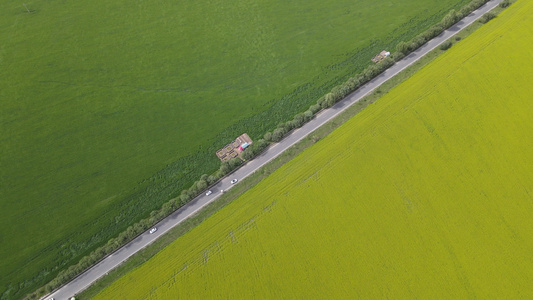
(208, 193)
(153, 230)
(234, 181)
(222, 191)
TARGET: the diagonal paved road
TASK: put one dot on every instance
(112, 261)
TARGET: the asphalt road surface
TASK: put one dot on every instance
(84, 280)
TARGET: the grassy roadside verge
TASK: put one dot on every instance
(247, 183)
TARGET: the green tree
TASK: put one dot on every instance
(184, 198)
(445, 46)
(314, 109)
(299, 120)
(201, 184)
(308, 115)
(224, 169)
(330, 100)
(403, 47)
(505, 3)
(278, 134)
(451, 18)
(487, 17)
(235, 162)
(211, 179)
(268, 136)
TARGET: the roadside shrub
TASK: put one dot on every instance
(465, 10)
(268, 136)
(487, 17)
(371, 72)
(308, 115)
(201, 184)
(234, 163)
(314, 109)
(159, 215)
(278, 134)
(151, 220)
(297, 123)
(261, 145)
(418, 41)
(478, 3)
(285, 126)
(193, 190)
(211, 179)
(434, 31)
(352, 84)
(299, 120)
(397, 56)
(505, 4)
(445, 46)
(321, 101)
(365, 76)
(386, 63)
(256, 148)
(248, 154)
(130, 231)
(219, 174)
(174, 203)
(475, 4)
(101, 252)
(330, 100)
(403, 47)
(374, 70)
(340, 91)
(224, 169)
(184, 198)
(290, 125)
(166, 209)
(122, 238)
(185, 194)
(451, 18)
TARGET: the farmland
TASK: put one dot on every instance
(111, 108)
(425, 194)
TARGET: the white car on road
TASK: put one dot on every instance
(234, 181)
(153, 230)
(208, 193)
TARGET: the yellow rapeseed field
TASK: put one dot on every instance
(426, 194)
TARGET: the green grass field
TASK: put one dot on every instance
(425, 194)
(110, 108)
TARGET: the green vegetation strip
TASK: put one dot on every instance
(425, 194)
(265, 171)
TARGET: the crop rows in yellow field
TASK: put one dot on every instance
(426, 194)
